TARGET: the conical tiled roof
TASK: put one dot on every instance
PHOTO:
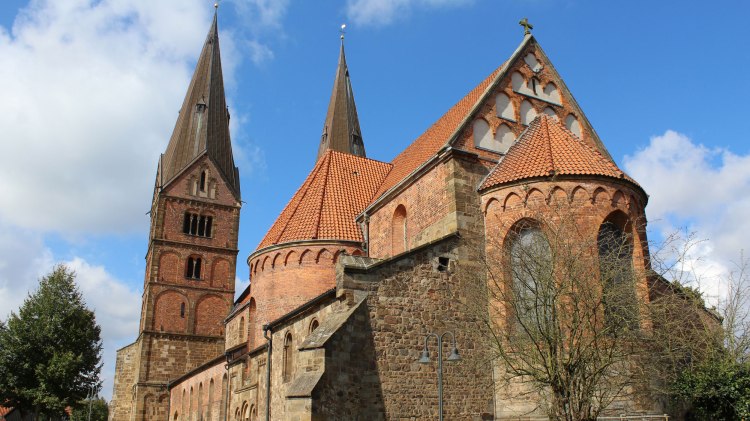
(203, 123)
(546, 148)
(338, 188)
(341, 130)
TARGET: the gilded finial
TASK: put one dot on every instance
(216, 5)
(527, 27)
(343, 31)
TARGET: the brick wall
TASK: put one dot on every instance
(284, 278)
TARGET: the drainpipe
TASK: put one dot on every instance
(228, 356)
(268, 334)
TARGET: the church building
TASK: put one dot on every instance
(365, 260)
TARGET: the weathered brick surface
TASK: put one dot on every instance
(284, 278)
(202, 396)
(182, 319)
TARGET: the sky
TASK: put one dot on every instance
(91, 89)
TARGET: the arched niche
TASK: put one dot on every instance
(504, 107)
(517, 82)
(572, 124)
(528, 113)
(533, 62)
(504, 138)
(482, 134)
(550, 112)
(551, 93)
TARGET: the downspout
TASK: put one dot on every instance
(268, 334)
(229, 383)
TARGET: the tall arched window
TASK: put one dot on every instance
(210, 402)
(533, 285)
(200, 402)
(398, 231)
(287, 357)
(193, 268)
(202, 183)
(617, 275)
(223, 392)
(242, 329)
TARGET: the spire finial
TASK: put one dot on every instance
(527, 27)
(343, 31)
(216, 5)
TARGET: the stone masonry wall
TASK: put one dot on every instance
(410, 297)
(125, 373)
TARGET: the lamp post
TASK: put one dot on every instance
(452, 357)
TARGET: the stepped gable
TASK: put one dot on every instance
(437, 136)
(203, 123)
(338, 188)
(545, 149)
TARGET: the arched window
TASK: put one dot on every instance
(176, 416)
(617, 275)
(314, 325)
(398, 230)
(210, 402)
(195, 224)
(253, 413)
(504, 107)
(287, 357)
(182, 310)
(200, 401)
(223, 392)
(190, 403)
(202, 182)
(533, 285)
(183, 403)
(528, 113)
(242, 329)
(193, 268)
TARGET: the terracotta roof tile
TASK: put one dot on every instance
(547, 148)
(338, 188)
(434, 138)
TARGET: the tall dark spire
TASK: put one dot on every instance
(203, 123)
(341, 131)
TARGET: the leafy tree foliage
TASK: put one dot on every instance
(50, 352)
(99, 411)
(719, 389)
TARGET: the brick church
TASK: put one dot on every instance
(364, 261)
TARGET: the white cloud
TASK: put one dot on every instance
(384, 12)
(706, 191)
(96, 87)
(117, 308)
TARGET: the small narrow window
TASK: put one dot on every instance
(209, 223)
(314, 325)
(287, 357)
(443, 264)
(202, 226)
(193, 224)
(182, 310)
(186, 223)
(203, 181)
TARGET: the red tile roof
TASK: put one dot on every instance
(5, 411)
(338, 188)
(546, 148)
(437, 136)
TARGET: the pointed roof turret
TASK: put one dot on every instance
(202, 126)
(341, 130)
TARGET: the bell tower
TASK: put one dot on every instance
(192, 254)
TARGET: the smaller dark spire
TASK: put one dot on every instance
(341, 130)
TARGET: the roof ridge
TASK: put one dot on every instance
(323, 194)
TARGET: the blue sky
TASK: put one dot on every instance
(92, 88)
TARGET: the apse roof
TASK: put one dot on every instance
(337, 189)
(546, 148)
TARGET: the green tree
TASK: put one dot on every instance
(99, 411)
(50, 352)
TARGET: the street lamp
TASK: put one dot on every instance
(452, 357)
